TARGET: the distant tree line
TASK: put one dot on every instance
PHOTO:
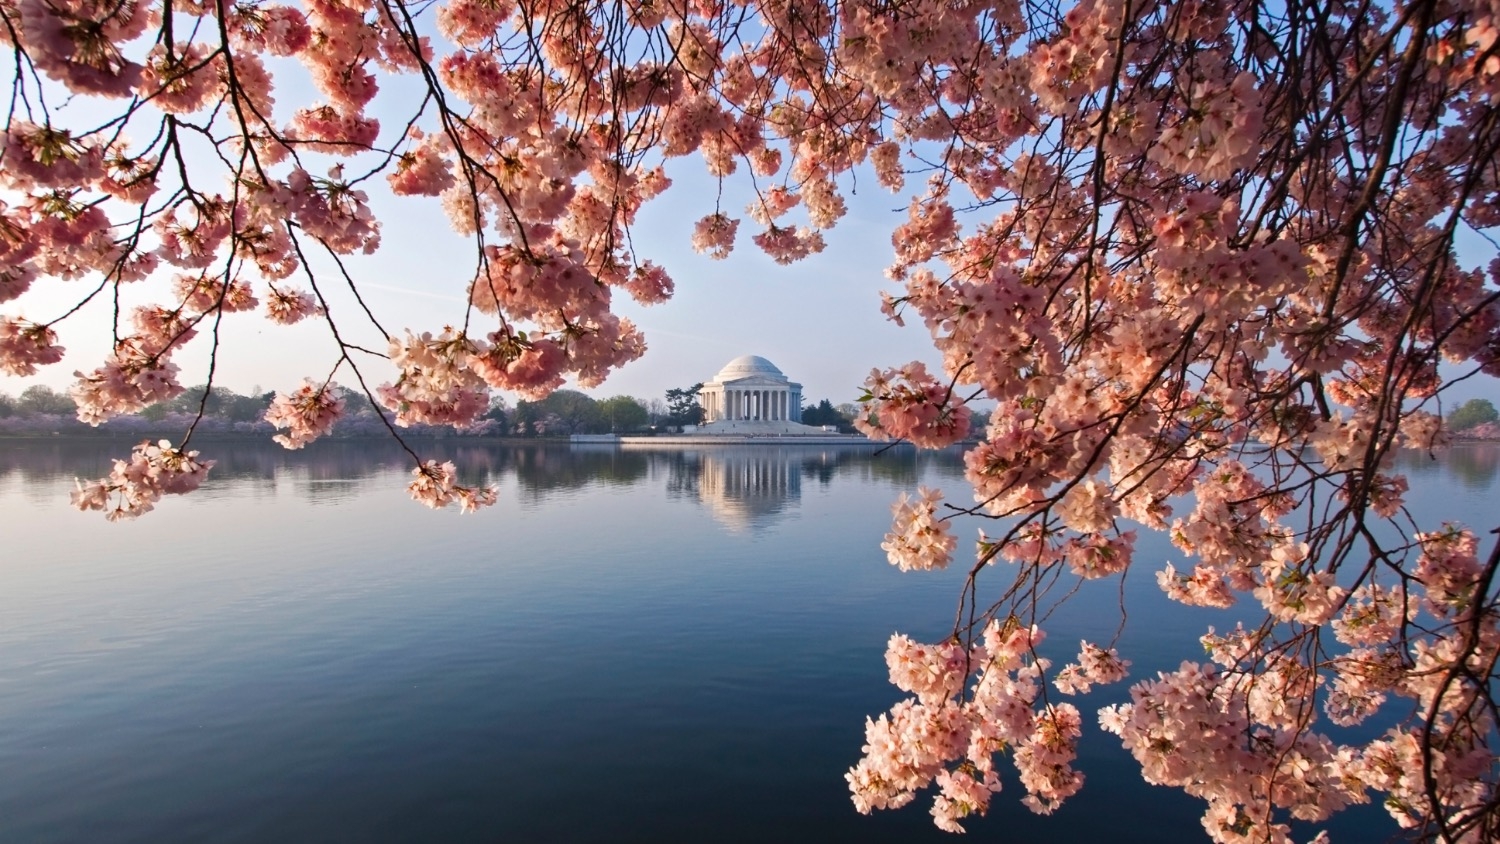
(43, 410)
(824, 413)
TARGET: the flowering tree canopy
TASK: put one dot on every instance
(1206, 257)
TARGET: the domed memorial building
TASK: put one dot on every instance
(751, 396)
(750, 389)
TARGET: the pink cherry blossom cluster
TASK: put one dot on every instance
(437, 385)
(788, 245)
(25, 345)
(286, 307)
(135, 485)
(137, 375)
(1094, 666)
(950, 738)
(532, 368)
(907, 403)
(1238, 732)
(714, 236)
(919, 539)
(436, 486)
(307, 414)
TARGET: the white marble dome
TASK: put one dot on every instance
(746, 365)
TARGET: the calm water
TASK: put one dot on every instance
(631, 646)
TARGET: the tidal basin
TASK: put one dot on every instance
(631, 646)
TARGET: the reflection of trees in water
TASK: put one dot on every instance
(899, 465)
(251, 465)
(36, 460)
(683, 469)
(755, 482)
(946, 463)
(540, 469)
(1473, 465)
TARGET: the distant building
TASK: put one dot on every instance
(750, 389)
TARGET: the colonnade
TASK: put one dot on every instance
(732, 404)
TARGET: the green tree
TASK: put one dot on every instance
(979, 421)
(523, 420)
(499, 414)
(191, 399)
(1472, 412)
(624, 413)
(238, 408)
(822, 413)
(40, 399)
(683, 407)
(574, 412)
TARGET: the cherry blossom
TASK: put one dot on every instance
(307, 413)
(435, 487)
(918, 539)
(25, 345)
(134, 486)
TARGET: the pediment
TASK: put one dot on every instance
(750, 381)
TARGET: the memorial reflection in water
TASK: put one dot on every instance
(746, 488)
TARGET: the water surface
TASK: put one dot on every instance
(631, 646)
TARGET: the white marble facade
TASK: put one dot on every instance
(750, 388)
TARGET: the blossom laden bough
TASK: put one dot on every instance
(135, 485)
